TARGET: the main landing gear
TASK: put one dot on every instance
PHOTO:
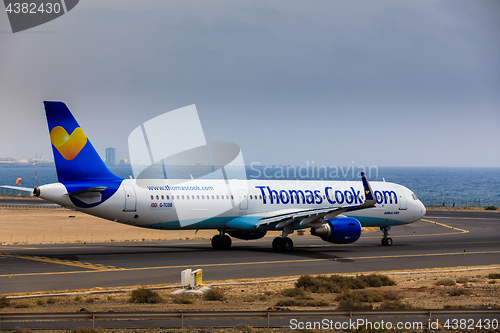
(283, 243)
(221, 241)
(386, 241)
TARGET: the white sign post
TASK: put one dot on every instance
(185, 278)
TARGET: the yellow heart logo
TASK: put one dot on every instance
(367, 192)
(68, 145)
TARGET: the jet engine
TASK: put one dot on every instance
(339, 231)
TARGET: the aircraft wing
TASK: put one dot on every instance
(28, 189)
(311, 217)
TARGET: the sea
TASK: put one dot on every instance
(434, 186)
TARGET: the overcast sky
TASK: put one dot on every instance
(385, 83)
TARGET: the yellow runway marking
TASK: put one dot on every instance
(463, 231)
(459, 231)
(98, 267)
(256, 263)
(94, 245)
(101, 268)
(7, 247)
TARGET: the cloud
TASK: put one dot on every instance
(380, 83)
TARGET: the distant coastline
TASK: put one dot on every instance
(434, 186)
(16, 162)
(23, 164)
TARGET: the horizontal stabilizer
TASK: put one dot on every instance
(27, 189)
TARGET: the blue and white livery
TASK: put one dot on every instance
(335, 211)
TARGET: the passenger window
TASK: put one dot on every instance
(232, 197)
(152, 197)
(162, 197)
(182, 197)
(157, 197)
(168, 198)
(217, 197)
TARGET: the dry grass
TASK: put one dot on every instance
(445, 282)
(338, 283)
(140, 295)
(214, 294)
(411, 290)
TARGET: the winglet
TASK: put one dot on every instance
(370, 199)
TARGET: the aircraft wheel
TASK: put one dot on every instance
(384, 241)
(286, 244)
(388, 241)
(217, 242)
(276, 243)
(225, 242)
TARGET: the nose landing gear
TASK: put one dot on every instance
(386, 241)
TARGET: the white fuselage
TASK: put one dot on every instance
(212, 204)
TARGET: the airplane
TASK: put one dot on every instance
(335, 211)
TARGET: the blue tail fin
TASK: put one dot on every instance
(74, 156)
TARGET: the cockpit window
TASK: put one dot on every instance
(414, 196)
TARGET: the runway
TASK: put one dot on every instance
(26, 202)
(441, 239)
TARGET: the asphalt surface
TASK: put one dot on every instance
(441, 239)
(25, 202)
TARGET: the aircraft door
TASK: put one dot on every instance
(243, 199)
(130, 199)
(401, 198)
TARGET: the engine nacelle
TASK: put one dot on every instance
(246, 235)
(339, 231)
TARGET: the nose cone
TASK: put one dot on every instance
(422, 209)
